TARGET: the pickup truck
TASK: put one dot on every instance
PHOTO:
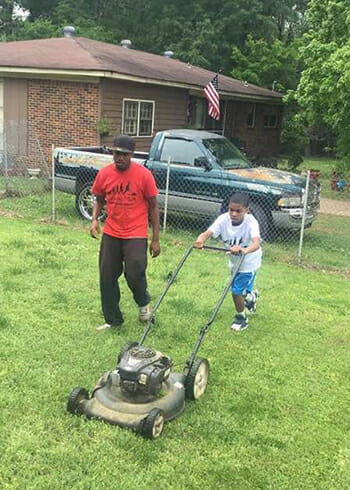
(201, 170)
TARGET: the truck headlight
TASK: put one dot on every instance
(290, 202)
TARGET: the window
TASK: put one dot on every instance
(180, 151)
(198, 117)
(270, 120)
(138, 117)
(251, 115)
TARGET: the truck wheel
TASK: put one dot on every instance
(262, 218)
(197, 379)
(84, 203)
(153, 424)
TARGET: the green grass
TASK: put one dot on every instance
(326, 167)
(276, 413)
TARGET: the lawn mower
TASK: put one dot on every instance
(142, 392)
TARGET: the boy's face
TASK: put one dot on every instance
(237, 212)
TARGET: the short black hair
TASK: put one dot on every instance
(240, 198)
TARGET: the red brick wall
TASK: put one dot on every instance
(63, 113)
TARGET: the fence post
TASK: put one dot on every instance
(53, 182)
(166, 194)
(306, 195)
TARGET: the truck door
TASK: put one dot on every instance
(192, 190)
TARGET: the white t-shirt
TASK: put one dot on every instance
(239, 235)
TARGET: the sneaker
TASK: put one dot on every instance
(113, 326)
(240, 323)
(144, 313)
(251, 304)
(105, 326)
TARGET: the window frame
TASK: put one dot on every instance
(251, 126)
(268, 115)
(139, 102)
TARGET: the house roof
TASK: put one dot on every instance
(71, 54)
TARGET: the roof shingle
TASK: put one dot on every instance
(94, 56)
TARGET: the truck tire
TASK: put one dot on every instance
(84, 202)
(264, 220)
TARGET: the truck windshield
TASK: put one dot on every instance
(225, 153)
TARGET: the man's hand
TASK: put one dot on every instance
(154, 248)
(237, 249)
(95, 228)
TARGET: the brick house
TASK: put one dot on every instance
(69, 89)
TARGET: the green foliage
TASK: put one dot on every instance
(103, 126)
(38, 29)
(199, 32)
(266, 63)
(293, 134)
(324, 89)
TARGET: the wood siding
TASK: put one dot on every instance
(15, 115)
(259, 141)
(170, 107)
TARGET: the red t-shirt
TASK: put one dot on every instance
(126, 194)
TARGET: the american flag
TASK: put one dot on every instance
(211, 93)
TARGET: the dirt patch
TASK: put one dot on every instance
(334, 207)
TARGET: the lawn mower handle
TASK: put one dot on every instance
(171, 279)
(204, 330)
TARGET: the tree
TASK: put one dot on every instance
(268, 64)
(324, 88)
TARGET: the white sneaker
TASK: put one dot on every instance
(103, 327)
(144, 313)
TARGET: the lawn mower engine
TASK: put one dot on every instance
(142, 371)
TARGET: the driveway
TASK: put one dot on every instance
(332, 206)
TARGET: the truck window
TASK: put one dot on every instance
(180, 151)
(225, 153)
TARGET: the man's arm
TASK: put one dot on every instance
(95, 225)
(154, 247)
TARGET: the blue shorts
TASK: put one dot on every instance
(243, 283)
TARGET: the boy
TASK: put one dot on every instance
(240, 233)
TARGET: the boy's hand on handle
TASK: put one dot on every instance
(95, 228)
(237, 249)
(198, 243)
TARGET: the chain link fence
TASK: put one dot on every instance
(191, 196)
(24, 170)
(299, 224)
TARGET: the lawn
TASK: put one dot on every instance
(276, 413)
(326, 167)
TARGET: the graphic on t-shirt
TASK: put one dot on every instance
(122, 193)
(235, 241)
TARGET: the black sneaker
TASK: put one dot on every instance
(251, 304)
(240, 323)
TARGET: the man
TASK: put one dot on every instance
(130, 194)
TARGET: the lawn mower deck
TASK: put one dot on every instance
(142, 392)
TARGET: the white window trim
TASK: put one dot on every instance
(138, 115)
